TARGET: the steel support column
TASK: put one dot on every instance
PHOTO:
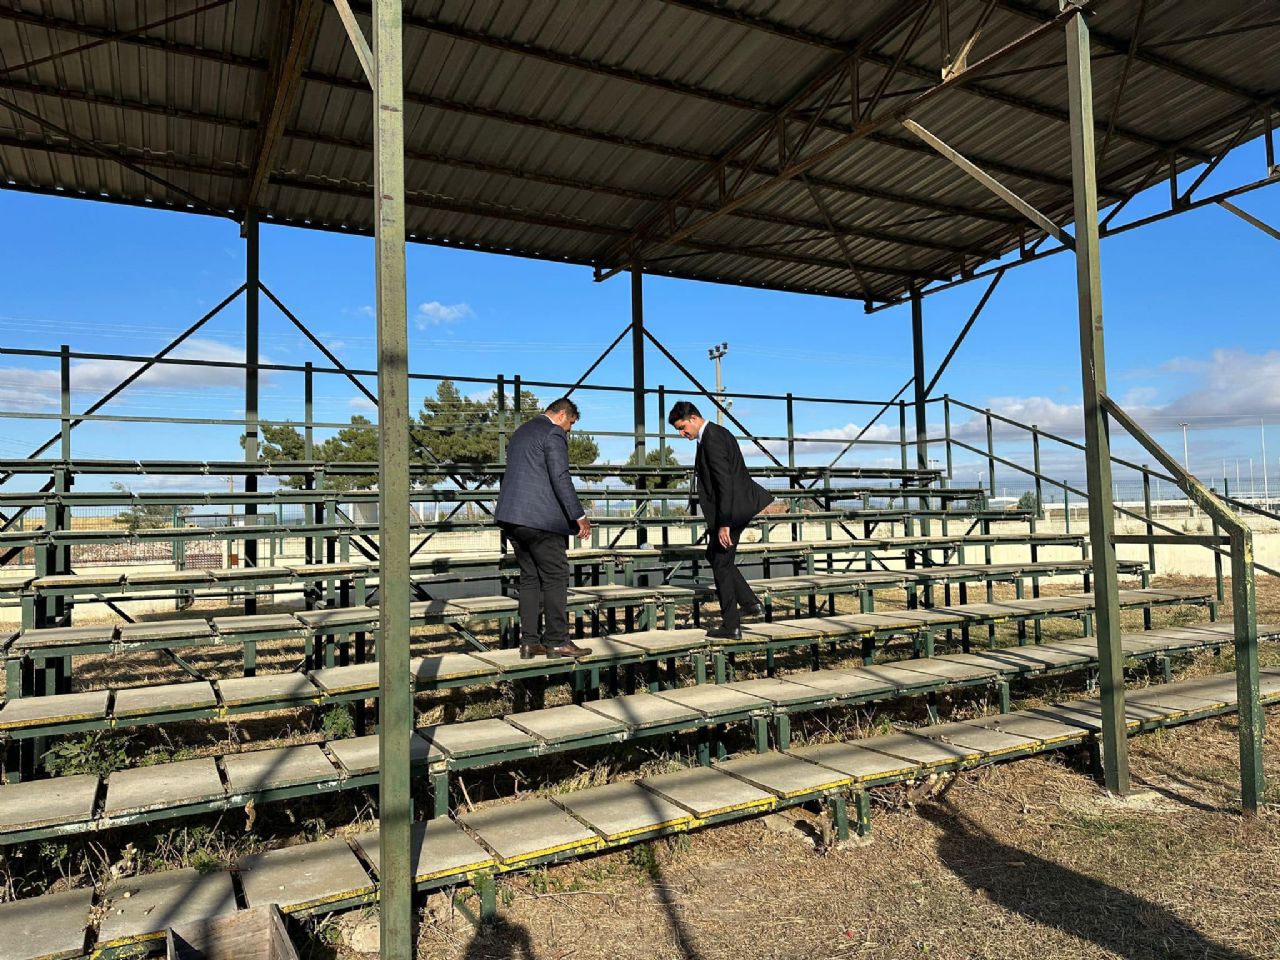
(252, 297)
(1115, 744)
(917, 355)
(637, 381)
(395, 705)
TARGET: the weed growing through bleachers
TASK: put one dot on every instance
(96, 753)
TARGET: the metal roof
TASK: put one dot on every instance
(565, 129)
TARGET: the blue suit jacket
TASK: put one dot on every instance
(537, 490)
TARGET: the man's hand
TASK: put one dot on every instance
(726, 538)
(584, 528)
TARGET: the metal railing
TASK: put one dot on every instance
(1244, 606)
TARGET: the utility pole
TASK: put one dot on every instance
(1266, 489)
(716, 353)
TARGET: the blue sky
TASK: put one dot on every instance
(1190, 308)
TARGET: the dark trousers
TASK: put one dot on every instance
(731, 586)
(544, 583)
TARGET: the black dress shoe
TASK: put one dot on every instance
(753, 611)
(568, 649)
(725, 633)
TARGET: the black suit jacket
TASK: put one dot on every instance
(725, 494)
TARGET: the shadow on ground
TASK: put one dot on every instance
(1056, 896)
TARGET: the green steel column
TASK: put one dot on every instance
(1035, 455)
(502, 418)
(1115, 744)
(637, 385)
(946, 423)
(917, 355)
(902, 431)
(395, 704)
(991, 456)
(63, 478)
(1244, 602)
(1146, 504)
(252, 295)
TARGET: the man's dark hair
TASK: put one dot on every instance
(564, 405)
(683, 410)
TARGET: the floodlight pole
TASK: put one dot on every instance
(1115, 744)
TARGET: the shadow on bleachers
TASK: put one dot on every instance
(1046, 893)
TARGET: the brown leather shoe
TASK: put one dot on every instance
(568, 649)
(530, 650)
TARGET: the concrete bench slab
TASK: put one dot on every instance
(51, 637)
(921, 751)
(847, 683)
(279, 767)
(51, 927)
(1027, 725)
(74, 581)
(714, 699)
(308, 875)
(339, 617)
(356, 676)
(176, 784)
(324, 571)
(475, 606)
(983, 611)
(169, 578)
(165, 697)
(707, 792)
(952, 671)
(359, 755)
(970, 736)
(611, 648)
(185, 631)
(783, 775)
(448, 666)
(143, 908)
(267, 688)
(901, 676)
(567, 722)
(620, 810)
(639, 710)
(61, 708)
(424, 611)
(780, 692)
(938, 619)
(44, 803)
(811, 626)
(855, 760)
(257, 623)
(528, 829)
(473, 737)
(441, 848)
(663, 641)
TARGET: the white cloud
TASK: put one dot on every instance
(22, 388)
(362, 404)
(435, 313)
(829, 441)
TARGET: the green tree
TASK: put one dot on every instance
(146, 516)
(1029, 501)
(450, 428)
(662, 456)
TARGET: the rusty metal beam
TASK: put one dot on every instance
(295, 30)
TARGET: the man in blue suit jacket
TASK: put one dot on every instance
(537, 510)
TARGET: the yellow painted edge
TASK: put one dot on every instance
(321, 901)
(101, 948)
(765, 804)
(679, 822)
(69, 718)
(466, 869)
(546, 852)
(845, 781)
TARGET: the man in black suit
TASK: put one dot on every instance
(727, 498)
(538, 510)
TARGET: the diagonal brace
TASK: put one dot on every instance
(991, 183)
(1250, 218)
